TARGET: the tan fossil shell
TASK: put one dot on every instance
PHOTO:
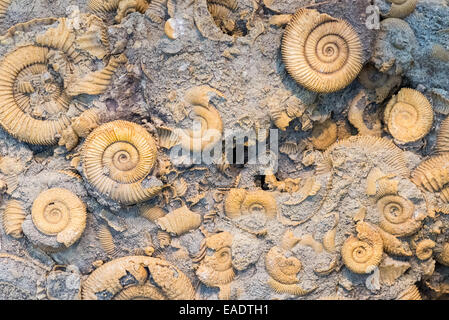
(4, 4)
(408, 116)
(180, 187)
(240, 201)
(96, 82)
(392, 156)
(329, 236)
(13, 117)
(143, 292)
(170, 29)
(164, 238)
(104, 282)
(179, 221)
(86, 122)
(440, 99)
(106, 240)
(391, 270)
(320, 52)
(280, 19)
(126, 7)
(95, 39)
(397, 215)
(25, 26)
(167, 137)
(443, 257)
(210, 133)
(13, 217)
(363, 253)
(71, 174)
(443, 137)
(116, 158)
(355, 116)
(433, 173)
(59, 212)
(215, 269)
(324, 134)
(393, 245)
(401, 8)
(152, 213)
(283, 272)
(411, 293)
(424, 249)
(156, 10)
(100, 7)
(441, 53)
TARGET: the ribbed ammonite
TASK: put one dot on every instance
(322, 53)
(408, 116)
(32, 108)
(59, 212)
(116, 158)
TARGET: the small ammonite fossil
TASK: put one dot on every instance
(322, 53)
(116, 158)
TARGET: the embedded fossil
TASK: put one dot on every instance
(12, 219)
(408, 116)
(355, 116)
(433, 174)
(116, 276)
(215, 269)
(179, 221)
(58, 212)
(424, 249)
(107, 241)
(116, 158)
(411, 293)
(363, 253)
(239, 202)
(324, 134)
(401, 8)
(320, 52)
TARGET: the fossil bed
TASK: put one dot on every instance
(247, 69)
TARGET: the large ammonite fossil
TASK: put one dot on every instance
(322, 53)
(137, 277)
(408, 116)
(116, 158)
(32, 108)
(59, 212)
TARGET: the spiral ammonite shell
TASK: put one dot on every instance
(116, 157)
(408, 116)
(363, 253)
(396, 215)
(59, 212)
(321, 53)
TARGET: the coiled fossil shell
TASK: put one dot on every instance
(12, 219)
(15, 117)
(240, 201)
(58, 212)
(408, 115)
(179, 221)
(401, 8)
(116, 158)
(120, 274)
(397, 215)
(355, 116)
(126, 7)
(215, 269)
(363, 253)
(324, 134)
(321, 53)
(143, 292)
(424, 249)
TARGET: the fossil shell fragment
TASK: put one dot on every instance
(156, 10)
(95, 39)
(401, 8)
(96, 82)
(13, 217)
(363, 253)
(320, 52)
(240, 201)
(152, 213)
(215, 269)
(433, 173)
(106, 240)
(355, 116)
(391, 270)
(112, 278)
(116, 158)
(424, 249)
(443, 137)
(126, 7)
(408, 116)
(13, 117)
(324, 134)
(411, 293)
(179, 221)
(397, 215)
(4, 4)
(58, 212)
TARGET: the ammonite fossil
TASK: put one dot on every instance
(408, 116)
(116, 158)
(13, 217)
(59, 212)
(160, 278)
(322, 53)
